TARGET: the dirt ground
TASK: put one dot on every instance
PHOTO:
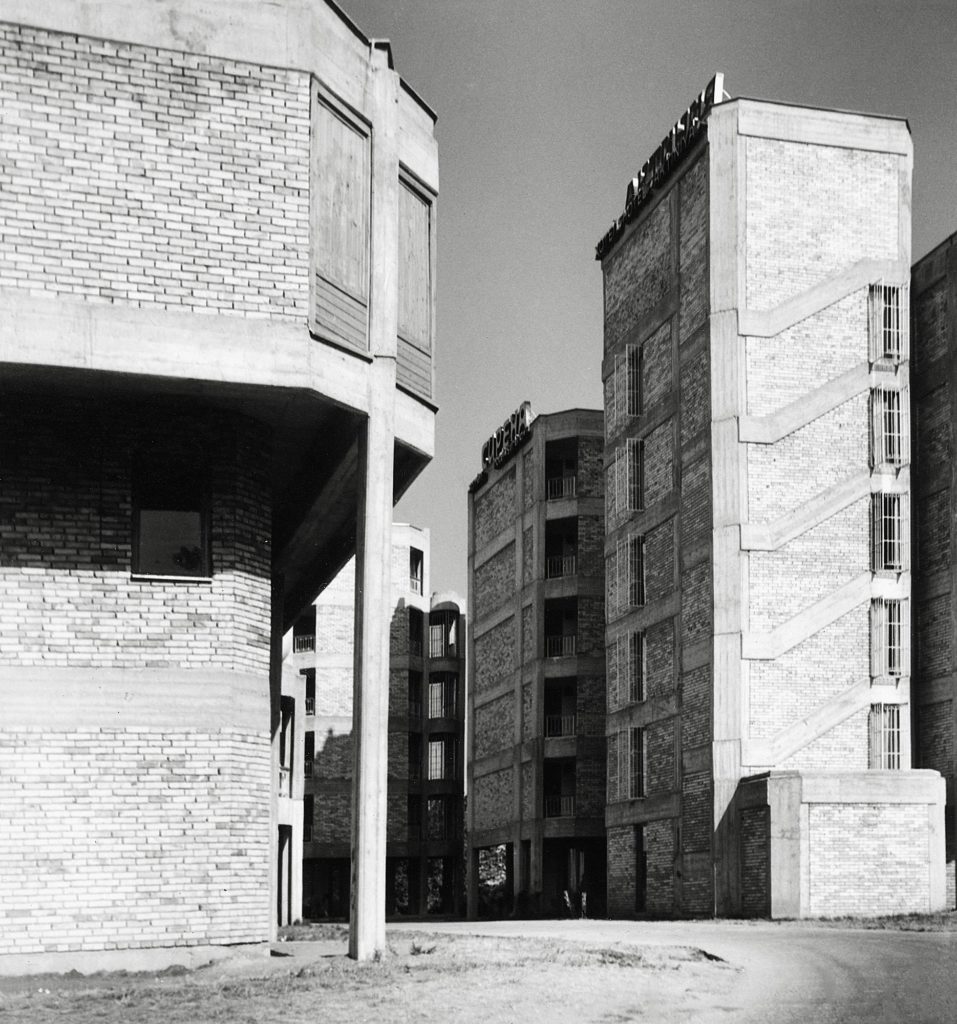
(559, 972)
(426, 977)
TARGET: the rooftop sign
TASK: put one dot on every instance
(664, 159)
(509, 436)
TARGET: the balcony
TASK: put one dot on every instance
(557, 487)
(310, 705)
(285, 782)
(560, 646)
(415, 647)
(560, 725)
(559, 806)
(560, 566)
(303, 642)
(415, 584)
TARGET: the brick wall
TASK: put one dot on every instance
(657, 376)
(867, 858)
(528, 556)
(660, 561)
(495, 509)
(590, 471)
(529, 472)
(660, 844)
(793, 243)
(529, 720)
(591, 625)
(591, 541)
(932, 320)
(660, 757)
(755, 862)
(659, 462)
(153, 178)
(492, 799)
(494, 725)
(494, 581)
(637, 274)
(530, 649)
(136, 837)
(660, 659)
(67, 596)
(494, 655)
(693, 247)
(621, 870)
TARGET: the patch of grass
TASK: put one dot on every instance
(315, 931)
(944, 921)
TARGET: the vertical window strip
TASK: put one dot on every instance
(888, 436)
(890, 735)
(621, 389)
(636, 572)
(888, 638)
(635, 462)
(635, 356)
(636, 666)
(888, 322)
(621, 479)
(636, 763)
(887, 532)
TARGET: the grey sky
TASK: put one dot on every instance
(546, 108)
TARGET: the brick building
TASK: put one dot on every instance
(536, 666)
(933, 394)
(758, 545)
(203, 404)
(426, 780)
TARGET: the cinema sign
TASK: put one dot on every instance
(684, 133)
(510, 435)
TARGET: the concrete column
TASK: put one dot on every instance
(371, 687)
(370, 726)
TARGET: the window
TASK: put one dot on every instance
(630, 476)
(636, 666)
(170, 517)
(636, 763)
(416, 570)
(416, 626)
(888, 323)
(889, 638)
(442, 753)
(635, 356)
(443, 634)
(415, 694)
(887, 529)
(626, 385)
(442, 696)
(310, 674)
(309, 754)
(889, 441)
(885, 736)
(415, 758)
(636, 571)
(308, 809)
(414, 807)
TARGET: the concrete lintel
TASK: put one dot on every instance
(915, 786)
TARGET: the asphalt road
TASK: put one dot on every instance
(788, 972)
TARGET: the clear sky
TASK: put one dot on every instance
(547, 108)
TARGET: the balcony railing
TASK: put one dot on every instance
(560, 566)
(415, 647)
(310, 705)
(285, 778)
(561, 487)
(559, 806)
(415, 584)
(560, 725)
(560, 646)
(304, 642)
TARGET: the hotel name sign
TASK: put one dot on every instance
(510, 435)
(663, 161)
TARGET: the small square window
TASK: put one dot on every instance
(170, 519)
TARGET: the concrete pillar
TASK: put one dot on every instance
(371, 687)
(370, 726)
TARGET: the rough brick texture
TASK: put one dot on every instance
(124, 839)
(495, 509)
(591, 479)
(494, 655)
(638, 274)
(67, 596)
(494, 724)
(153, 178)
(494, 581)
(492, 799)
(755, 862)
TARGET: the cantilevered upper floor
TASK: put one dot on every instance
(227, 202)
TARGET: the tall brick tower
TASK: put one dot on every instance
(536, 665)
(758, 544)
(216, 247)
